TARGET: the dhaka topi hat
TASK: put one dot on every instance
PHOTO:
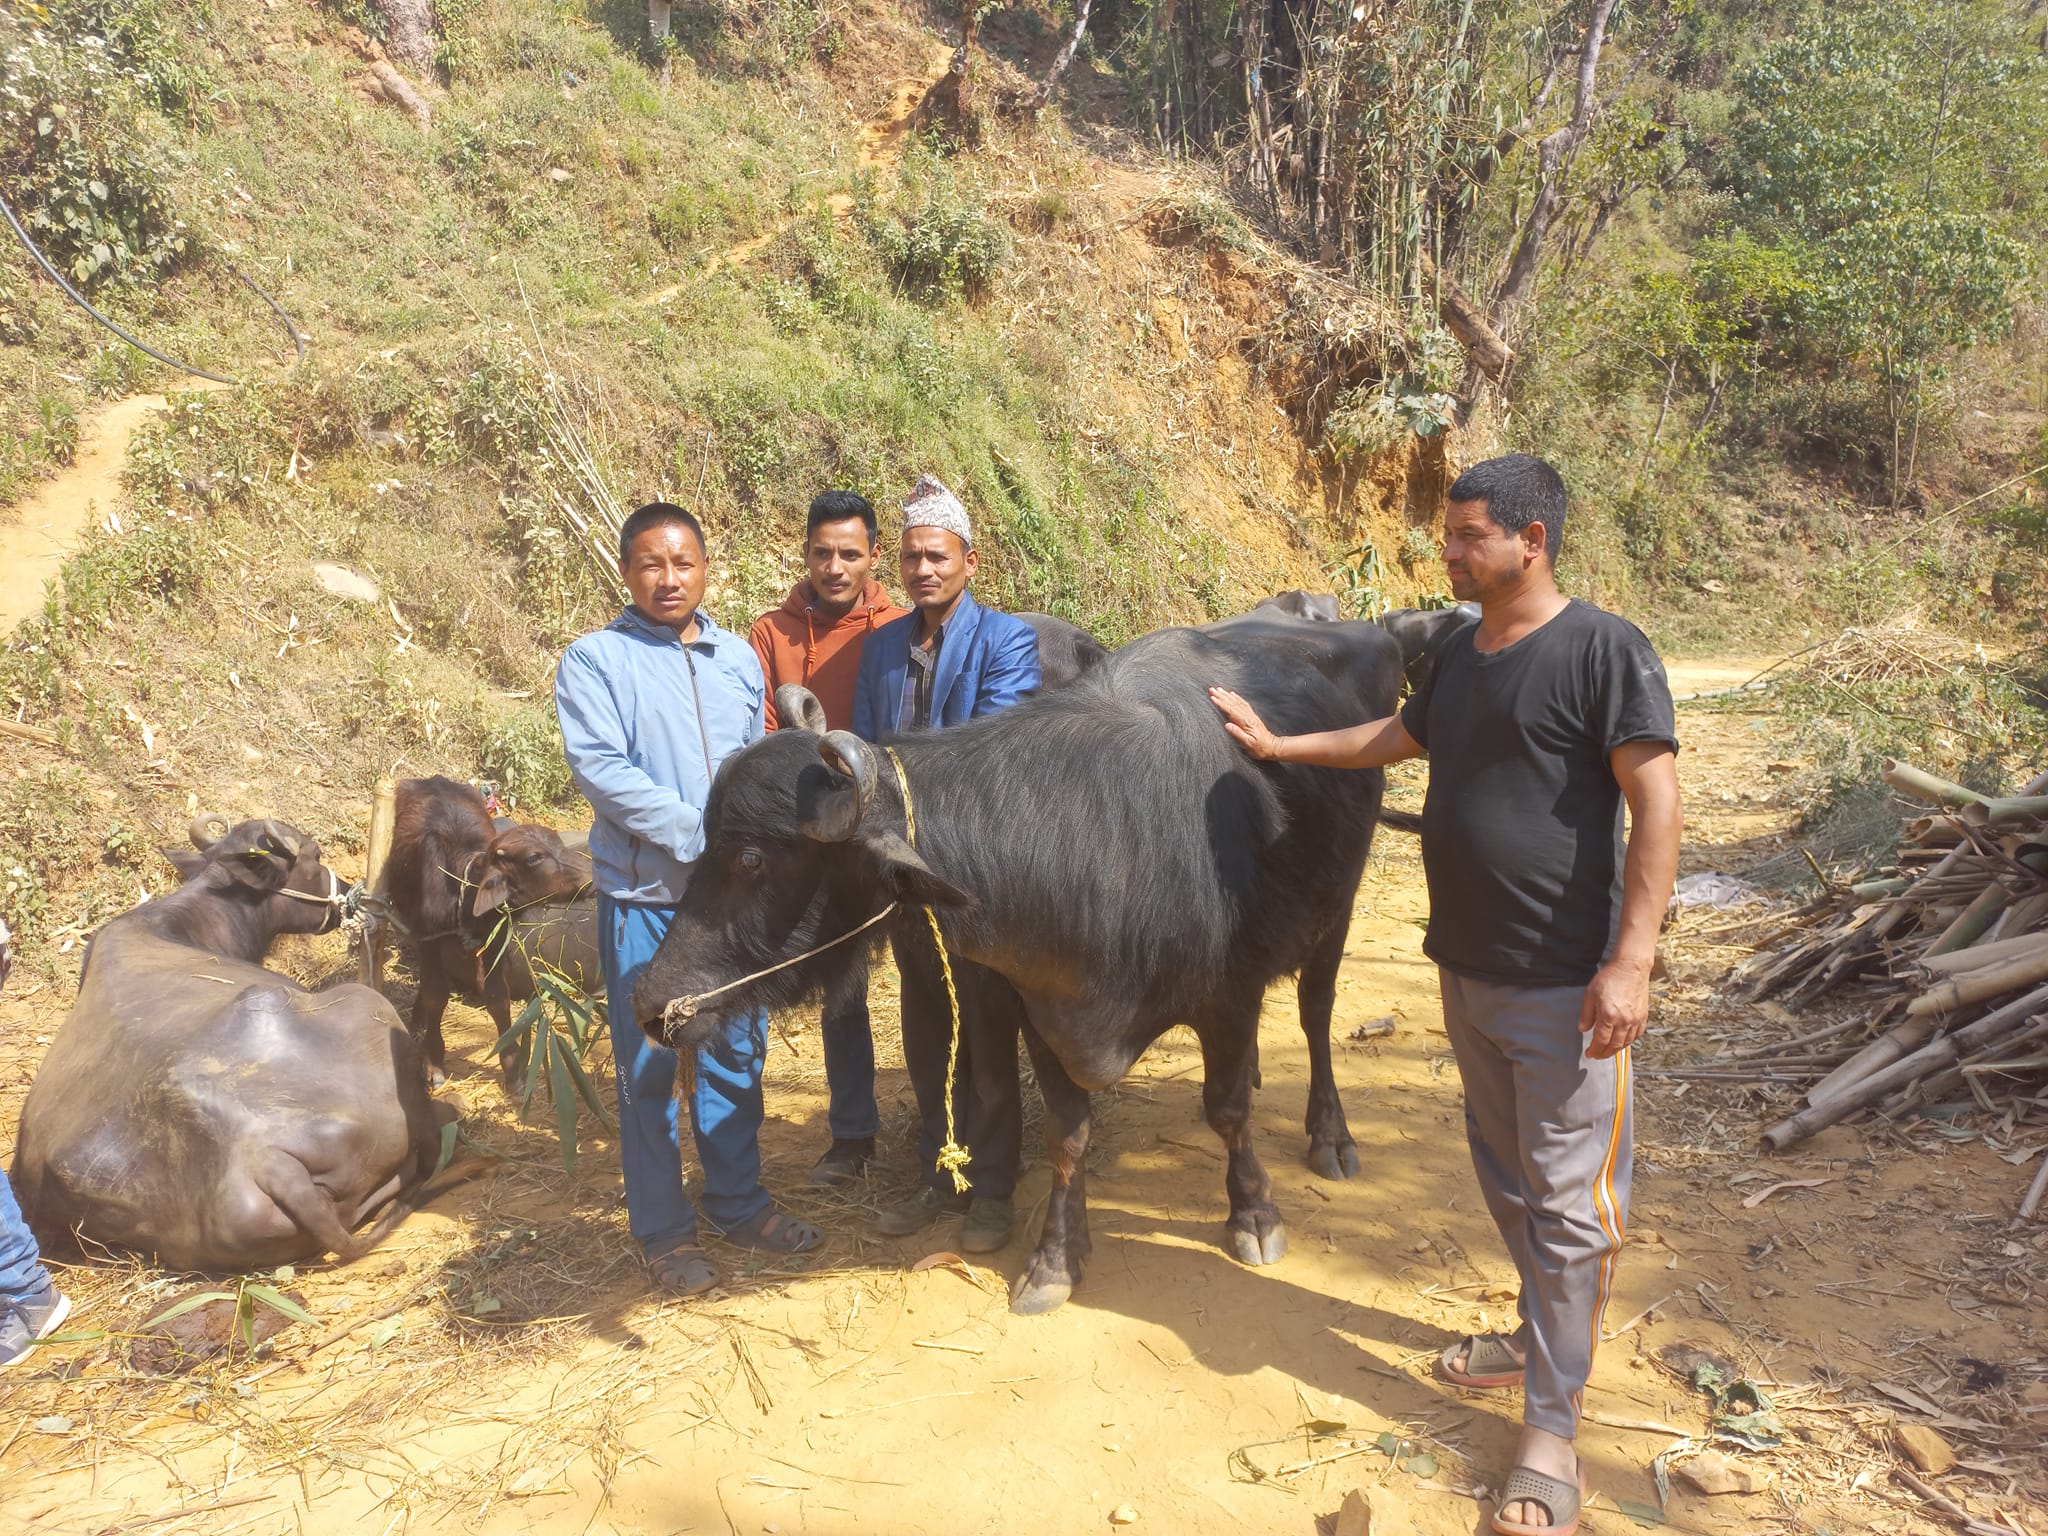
(931, 505)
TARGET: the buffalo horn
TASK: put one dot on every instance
(836, 820)
(796, 705)
(206, 829)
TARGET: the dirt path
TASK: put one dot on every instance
(50, 523)
(528, 1380)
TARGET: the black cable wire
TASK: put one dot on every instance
(298, 341)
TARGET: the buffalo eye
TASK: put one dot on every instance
(750, 860)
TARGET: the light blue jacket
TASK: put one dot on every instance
(988, 661)
(646, 720)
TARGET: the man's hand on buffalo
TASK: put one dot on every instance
(1244, 724)
(1617, 1007)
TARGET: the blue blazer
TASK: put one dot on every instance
(988, 662)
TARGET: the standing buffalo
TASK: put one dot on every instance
(1321, 607)
(1421, 633)
(201, 1109)
(1065, 650)
(478, 902)
(1105, 847)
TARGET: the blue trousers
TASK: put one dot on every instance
(849, 1040)
(725, 1104)
(21, 1271)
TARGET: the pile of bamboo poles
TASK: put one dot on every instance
(1951, 951)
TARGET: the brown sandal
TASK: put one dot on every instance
(1489, 1363)
(1560, 1501)
(684, 1270)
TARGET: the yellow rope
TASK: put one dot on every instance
(953, 1157)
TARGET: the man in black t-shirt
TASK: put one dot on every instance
(1539, 722)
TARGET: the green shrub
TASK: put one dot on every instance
(76, 163)
(945, 246)
(523, 757)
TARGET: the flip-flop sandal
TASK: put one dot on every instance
(1489, 1363)
(1561, 1499)
(776, 1231)
(685, 1270)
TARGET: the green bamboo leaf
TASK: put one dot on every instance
(189, 1304)
(277, 1301)
(565, 1100)
(527, 1016)
(541, 1046)
(588, 1089)
(449, 1132)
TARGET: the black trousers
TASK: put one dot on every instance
(988, 1102)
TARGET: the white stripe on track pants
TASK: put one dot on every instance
(1551, 1134)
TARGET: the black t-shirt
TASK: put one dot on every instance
(1522, 829)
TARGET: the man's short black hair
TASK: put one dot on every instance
(837, 507)
(1518, 490)
(654, 515)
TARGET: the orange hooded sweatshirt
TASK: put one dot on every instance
(797, 644)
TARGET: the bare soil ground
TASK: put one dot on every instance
(499, 1366)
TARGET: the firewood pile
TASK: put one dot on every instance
(1950, 952)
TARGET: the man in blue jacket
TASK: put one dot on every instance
(650, 706)
(950, 660)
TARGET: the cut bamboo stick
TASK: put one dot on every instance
(1978, 955)
(2034, 1192)
(1932, 788)
(1925, 1062)
(1999, 813)
(1976, 918)
(1895, 1045)
(1979, 985)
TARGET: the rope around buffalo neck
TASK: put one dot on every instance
(953, 1158)
(679, 1009)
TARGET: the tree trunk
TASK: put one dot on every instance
(1463, 319)
(409, 33)
(1554, 153)
(1065, 57)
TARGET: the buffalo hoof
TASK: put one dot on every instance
(436, 1079)
(1334, 1160)
(1253, 1249)
(1029, 1298)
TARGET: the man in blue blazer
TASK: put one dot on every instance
(947, 661)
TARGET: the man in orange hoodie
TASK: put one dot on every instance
(814, 639)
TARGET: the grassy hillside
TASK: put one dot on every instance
(744, 273)
(744, 283)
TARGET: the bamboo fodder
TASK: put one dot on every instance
(1944, 960)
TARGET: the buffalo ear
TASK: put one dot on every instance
(186, 861)
(493, 893)
(828, 807)
(908, 878)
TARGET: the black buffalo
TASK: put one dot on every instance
(212, 1113)
(1321, 607)
(1105, 847)
(1065, 650)
(1421, 633)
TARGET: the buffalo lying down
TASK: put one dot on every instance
(1104, 846)
(213, 1114)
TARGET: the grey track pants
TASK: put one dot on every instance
(1551, 1138)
